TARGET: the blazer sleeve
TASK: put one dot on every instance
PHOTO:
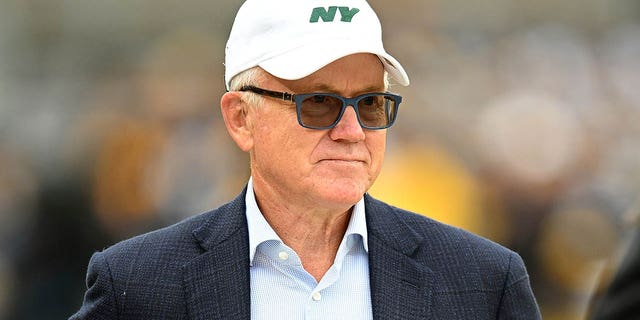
(99, 300)
(518, 301)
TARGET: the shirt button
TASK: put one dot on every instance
(283, 255)
(316, 296)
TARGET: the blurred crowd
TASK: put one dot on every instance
(521, 124)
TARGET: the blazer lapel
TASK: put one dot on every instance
(216, 283)
(400, 287)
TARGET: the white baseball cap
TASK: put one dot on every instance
(292, 39)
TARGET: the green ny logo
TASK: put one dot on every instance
(327, 15)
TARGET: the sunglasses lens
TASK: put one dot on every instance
(376, 111)
(320, 111)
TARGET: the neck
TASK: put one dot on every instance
(313, 233)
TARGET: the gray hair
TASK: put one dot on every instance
(249, 77)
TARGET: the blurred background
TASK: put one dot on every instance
(521, 124)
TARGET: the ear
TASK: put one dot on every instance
(234, 111)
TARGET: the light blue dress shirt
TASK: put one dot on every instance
(282, 289)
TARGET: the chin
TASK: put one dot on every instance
(343, 192)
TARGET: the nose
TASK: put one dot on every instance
(348, 128)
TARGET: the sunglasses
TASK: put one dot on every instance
(323, 111)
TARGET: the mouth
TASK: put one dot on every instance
(345, 161)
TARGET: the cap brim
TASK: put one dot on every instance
(303, 61)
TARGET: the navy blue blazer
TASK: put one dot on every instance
(199, 269)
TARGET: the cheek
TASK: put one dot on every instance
(280, 142)
(376, 145)
(264, 135)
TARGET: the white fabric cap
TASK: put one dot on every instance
(292, 39)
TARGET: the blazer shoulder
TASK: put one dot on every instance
(468, 276)
(129, 277)
(167, 239)
(116, 273)
(427, 228)
(451, 250)
(183, 239)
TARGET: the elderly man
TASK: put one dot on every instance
(308, 102)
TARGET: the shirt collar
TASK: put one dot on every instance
(260, 230)
(358, 224)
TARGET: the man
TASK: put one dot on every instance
(308, 102)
